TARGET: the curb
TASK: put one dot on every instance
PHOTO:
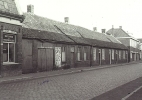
(66, 73)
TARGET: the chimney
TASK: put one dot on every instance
(30, 9)
(66, 20)
(103, 30)
(95, 29)
(120, 27)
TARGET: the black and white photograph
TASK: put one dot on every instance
(70, 49)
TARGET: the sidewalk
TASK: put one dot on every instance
(57, 73)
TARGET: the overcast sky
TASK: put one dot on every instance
(92, 13)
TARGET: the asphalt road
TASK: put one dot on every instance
(78, 86)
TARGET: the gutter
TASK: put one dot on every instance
(12, 16)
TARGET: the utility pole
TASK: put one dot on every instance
(1, 48)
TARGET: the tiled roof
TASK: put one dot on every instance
(44, 35)
(9, 9)
(8, 6)
(76, 33)
(118, 32)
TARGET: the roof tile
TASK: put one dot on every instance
(118, 33)
(8, 6)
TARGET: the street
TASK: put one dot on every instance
(78, 86)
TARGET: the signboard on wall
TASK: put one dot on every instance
(8, 38)
(58, 56)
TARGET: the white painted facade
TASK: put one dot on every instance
(134, 43)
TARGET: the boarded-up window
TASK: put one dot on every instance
(63, 54)
(103, 54)
(119, 54)
(94, 54)
(112, 54)
(124, 56)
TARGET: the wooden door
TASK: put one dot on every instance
(45, 59)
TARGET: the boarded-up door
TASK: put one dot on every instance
(45, 59)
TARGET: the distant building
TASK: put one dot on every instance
(132, 43)
(140, 46)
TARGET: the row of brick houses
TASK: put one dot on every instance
(31, 43)
(49, 44)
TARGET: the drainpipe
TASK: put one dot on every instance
(1, 48)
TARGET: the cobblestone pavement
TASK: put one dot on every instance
(78, 86)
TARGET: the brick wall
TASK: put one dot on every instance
(13, 69)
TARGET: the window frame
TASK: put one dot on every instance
(14, 43)
(112, 54)
(124, 55)
(64, 51)
(119, 54)
(85, 54)
(79, 54)
(103, 54)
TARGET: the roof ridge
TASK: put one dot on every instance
(59, 21)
